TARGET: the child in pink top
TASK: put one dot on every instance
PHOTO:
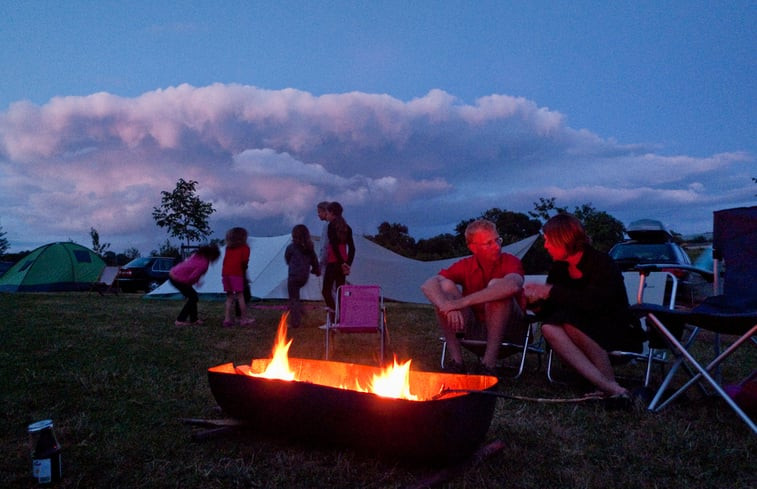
(187, 273)
(233, 274)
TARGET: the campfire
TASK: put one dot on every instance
(393, 381)
(393, 410)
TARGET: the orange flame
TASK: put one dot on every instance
(393, 381)
(279, 366)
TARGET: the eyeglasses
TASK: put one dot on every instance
(496, 241)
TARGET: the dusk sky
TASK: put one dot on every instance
(421, 113)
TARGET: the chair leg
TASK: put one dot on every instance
(714, 364)
(679, 362)
(383, 346)
(328, 333)
(549, 366)
(523, 353)
(648, 372)
(704, 372)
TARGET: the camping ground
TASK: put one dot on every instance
(116, 377)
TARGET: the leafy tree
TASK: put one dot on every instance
(604, 229)
(394, 237)
(183, 213)
(440, 247)
(4, 245)
(110, 258)
(132, 253)
(122, 258)
(98, 248)
(543, 209)
(167, 249)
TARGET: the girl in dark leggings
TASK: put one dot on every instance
(187, 273)
(341, 253)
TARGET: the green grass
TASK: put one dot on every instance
(116, 376)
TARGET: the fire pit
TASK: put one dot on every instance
(321, 405)
(423, 415)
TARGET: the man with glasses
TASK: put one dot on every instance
(479, 297)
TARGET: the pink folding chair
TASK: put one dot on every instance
(359, 309)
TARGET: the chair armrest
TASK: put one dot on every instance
(648, 268)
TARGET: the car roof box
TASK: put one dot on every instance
(648, 230)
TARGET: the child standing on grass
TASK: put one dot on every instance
(187, 273)
(233, 273)
(302, 261)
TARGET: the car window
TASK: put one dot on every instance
(647, 252)
(163, 264)
(684, 256)
(137, 263)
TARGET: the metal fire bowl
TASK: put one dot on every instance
(441, 430)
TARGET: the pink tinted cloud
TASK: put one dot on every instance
(268, 154)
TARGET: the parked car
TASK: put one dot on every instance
(651, 243)
(630, 253)
(144, 273)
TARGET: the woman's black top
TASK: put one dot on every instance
(596, 303)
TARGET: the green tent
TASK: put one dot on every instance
(54, 267)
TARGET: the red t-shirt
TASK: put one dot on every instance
(469, 274)
(235, 261)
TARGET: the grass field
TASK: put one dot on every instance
(116, 376)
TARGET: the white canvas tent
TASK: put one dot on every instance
(400, 278)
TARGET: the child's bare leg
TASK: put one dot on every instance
(229, 309)
(242, 305)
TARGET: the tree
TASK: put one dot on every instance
(394, 237)
(544, 207)
(440, 247)
(4, 245)
(98, 248)
(131, 253)
(183, 213)
(167, 249)
(603, 229)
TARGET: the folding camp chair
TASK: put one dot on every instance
(528, 344)
(359, 309)
(107, 281)
(506, 348)
(731, 311)
(650, 288)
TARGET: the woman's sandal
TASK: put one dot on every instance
(619, 402)
(631, 399)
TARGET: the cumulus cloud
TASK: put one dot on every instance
(264, 158)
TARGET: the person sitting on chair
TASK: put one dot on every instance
(584, 306)
(491, 303)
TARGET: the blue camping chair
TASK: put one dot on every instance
(732, 310)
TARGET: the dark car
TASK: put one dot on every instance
(651, 243)
(144, 273)
(630, 253)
